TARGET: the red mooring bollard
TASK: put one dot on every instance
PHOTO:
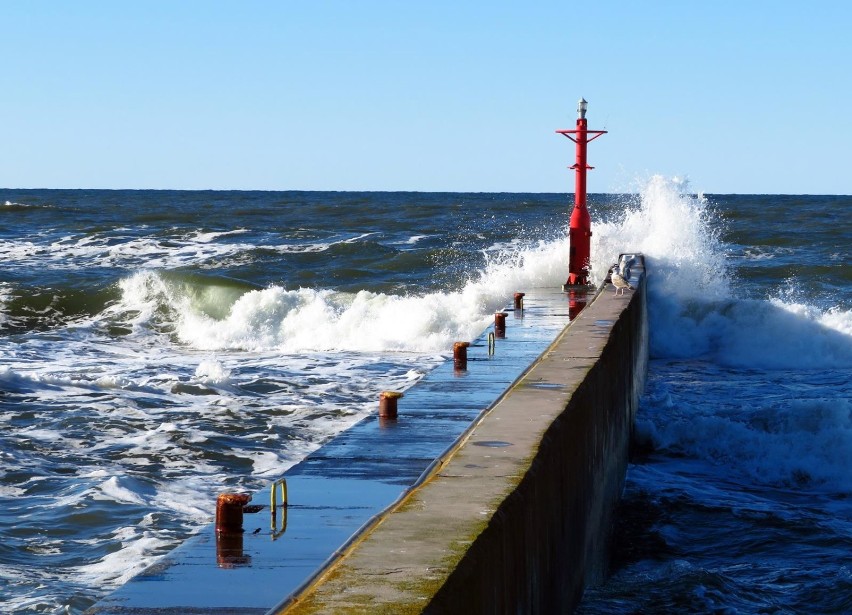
(387, 404)
(519, 301)
(229, 512)
(460, 355)
(500, 324)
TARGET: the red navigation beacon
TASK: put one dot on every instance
(580, 230)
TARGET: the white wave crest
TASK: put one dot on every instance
(224, 317)
(785, 442)
(112, 490)
(695, 309)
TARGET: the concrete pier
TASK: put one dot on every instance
(517, 520)
(492, 492)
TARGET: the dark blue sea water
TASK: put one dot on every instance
(157, 347)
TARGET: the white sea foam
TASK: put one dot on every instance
(11, 492)
(99, 473)
(71, 500)
(785, 442)
(211, 371)
(111, 489)
(40, 434)
(212, 236)
(322, 320)
(113, 382)
(5, 297)
(139, 549)
(267, 463)
(197, 248)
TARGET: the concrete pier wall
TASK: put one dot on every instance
(517, 520)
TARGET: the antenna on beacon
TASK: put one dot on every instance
(580, 227)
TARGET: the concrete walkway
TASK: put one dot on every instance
(516, 520)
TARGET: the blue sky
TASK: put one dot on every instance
(739, 97)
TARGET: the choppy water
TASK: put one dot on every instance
(157, 347)
(738, 500)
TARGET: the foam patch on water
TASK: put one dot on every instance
(212, 371)
(138, 550)
(112, 490)
(5, 296)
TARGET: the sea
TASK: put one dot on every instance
(160, 347)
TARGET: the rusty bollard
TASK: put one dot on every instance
(519, 301)
(460, 355)
(387, 404)
(229, 512)
(500, 324)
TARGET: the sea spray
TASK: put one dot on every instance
(678, 232)
(697, 308)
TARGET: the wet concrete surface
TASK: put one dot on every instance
(517, 519)
(344, 486)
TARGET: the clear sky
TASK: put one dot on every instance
(746, 96)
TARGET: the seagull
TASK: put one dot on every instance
(618, 281)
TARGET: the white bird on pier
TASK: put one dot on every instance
(618, 281)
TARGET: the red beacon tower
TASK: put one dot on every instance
(580, 228)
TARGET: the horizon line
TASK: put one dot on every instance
(380, 191)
